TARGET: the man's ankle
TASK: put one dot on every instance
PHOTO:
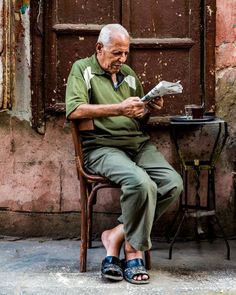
(131, 252)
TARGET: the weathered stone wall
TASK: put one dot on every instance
(226, 97)
(38, 178)
(1, 51)
(226, 64)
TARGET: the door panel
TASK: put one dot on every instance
(156, 65)
(166, 43)
(88, 12)
(69, 49)
(160, 19)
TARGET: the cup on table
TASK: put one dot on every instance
(188, 111)
(193, 111)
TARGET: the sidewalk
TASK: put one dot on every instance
(41, 266)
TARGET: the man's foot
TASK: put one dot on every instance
(111, 266)
(134, 266)
(112, 240)
(134, 272)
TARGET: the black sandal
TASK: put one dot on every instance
(112, 269)
(135, 267)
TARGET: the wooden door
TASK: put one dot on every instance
(171, 40)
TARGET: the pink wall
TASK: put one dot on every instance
(226, 100)
(226, 34)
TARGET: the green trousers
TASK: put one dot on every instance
(149, 185)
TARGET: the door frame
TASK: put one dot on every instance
(7, 54)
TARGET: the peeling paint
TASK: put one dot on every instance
(1, 50)
(212, 72)
(7, 56)
(24, 7)
(209, 10)
(1, 27)
(1, 82)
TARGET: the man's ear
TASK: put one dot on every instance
(99, 47)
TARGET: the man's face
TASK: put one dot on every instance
(112, 56)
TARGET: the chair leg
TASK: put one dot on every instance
(84, 227)
(83, 250)
(90, 225)
(148, 263)
(83, 245)
(91, 193)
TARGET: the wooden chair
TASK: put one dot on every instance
(89, 186)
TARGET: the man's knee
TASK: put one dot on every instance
(143, 184)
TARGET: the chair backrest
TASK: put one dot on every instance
(77, 126)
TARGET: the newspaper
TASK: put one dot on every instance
(163, 88)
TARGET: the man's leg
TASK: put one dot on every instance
(169, 182)
(138, 198)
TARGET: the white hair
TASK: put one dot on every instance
(108, 31)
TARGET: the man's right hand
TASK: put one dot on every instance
(132, 107)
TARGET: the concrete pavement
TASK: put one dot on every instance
(44, 266)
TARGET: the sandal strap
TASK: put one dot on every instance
(134, 262)
(112, 260)
(135, 267)
(112, 264)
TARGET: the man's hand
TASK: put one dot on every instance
(132, 107)
(155, 104)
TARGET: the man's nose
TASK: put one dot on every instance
(123, 57)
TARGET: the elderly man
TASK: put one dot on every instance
(102, 87)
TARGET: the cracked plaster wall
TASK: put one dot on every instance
(226, 90)
(1, 48)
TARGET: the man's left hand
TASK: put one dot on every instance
(155, 104)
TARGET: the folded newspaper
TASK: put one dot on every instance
(163, 88)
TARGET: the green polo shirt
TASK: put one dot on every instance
(89, 83)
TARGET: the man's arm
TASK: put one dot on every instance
(131, 107)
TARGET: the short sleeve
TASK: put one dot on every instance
(76, 92)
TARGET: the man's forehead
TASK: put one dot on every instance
(118, 41)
